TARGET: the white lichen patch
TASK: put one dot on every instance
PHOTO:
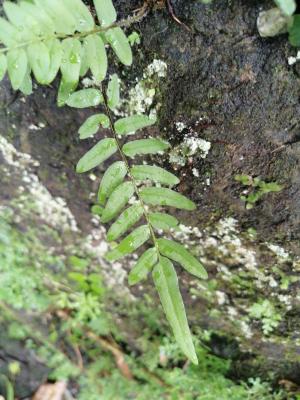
(190, 146)
(141, 97)
(280, 252)
(197, 145)
(235, 260)
(38, 127)
(293, 59)
(157, 67)
(114, 274)
(34, 199)
(180, 126)
(53, 210)
(196, 172)
(246, 329)
(221, 297)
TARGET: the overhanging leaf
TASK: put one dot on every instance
(82, 15)
(288, 7)
(3, 66)
(8, 33)
(105, 11)
(17, 67)
(64, 91)
(166, 283)
(125, 126)
(143, 266)
(46, 23)
(163, 221)
(119, 43)
(55, 54)
(91, 125)
(126, 220)
(112, 178)
(117, 200)
(84, 65)
(155, 174)
(294, 31)
(23, 21)
(39, 60)
(178, 253)
(26, 86)
(70, 68)
(85, 98)
(96, 54)
(145, 146)
(99, 153)
(128, 245)
(166, 197)
(64, 20)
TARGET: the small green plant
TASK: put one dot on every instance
(288, 8)
(8, 387)
(266, 313)
(43, 37)
(258, 189)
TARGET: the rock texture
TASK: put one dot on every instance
(228, 87)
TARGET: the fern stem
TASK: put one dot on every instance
(124, 158)
(81, 35)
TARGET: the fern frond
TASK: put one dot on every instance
(43, 37)
(49, 35)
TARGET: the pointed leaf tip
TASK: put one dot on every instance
(180, 254)
(166, 283)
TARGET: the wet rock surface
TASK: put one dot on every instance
(230, 87)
